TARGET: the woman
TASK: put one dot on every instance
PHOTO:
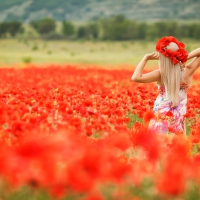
(173, 79)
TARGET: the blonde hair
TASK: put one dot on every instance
(171, 75)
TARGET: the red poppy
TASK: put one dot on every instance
(148, 116)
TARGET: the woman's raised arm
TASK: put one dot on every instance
(138, 75)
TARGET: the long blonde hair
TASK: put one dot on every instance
(171, 75)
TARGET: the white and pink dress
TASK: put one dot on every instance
(169, 118)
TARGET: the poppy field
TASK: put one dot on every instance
(81, 133)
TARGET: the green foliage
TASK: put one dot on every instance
(27, 59)
(112, 29)
(34, 24)
(120, 28)
(25, 193)
(44, 26)
(117, 28)
(68, 28)
(195, 32)
(35, 47)
(82, 32)
(3, 29)
(11, 28)
(133, 118)
(141, 31)
(89, 31)
(52, 36)
(15, 27)
(93, 29)
(144, 191)
(193, 193)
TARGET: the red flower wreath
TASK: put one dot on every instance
(176, 56)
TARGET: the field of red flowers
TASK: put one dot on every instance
(72, 132)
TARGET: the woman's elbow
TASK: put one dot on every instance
(135, 79)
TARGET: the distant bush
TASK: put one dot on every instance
(35, 47)
(52, 36)
(125, 46)
(27, 59)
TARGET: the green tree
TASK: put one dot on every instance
(82, 32)
(196, 32)
(15, 27)
(93, 30)
(184, 30)
(161, 28)
(89, 31)
(118, 31)
(44, 26)
(131, 30)
(11, 28)
(151, 32)
(119, 18)
(34, 24)
(3, 29)
(68, 28)
(141, 30)
(118, 28)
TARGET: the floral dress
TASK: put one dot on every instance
(169, 118)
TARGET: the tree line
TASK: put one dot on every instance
(113, 28)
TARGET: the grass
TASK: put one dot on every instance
(13, 51)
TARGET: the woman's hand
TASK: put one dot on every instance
(152, 56)
(194, 53)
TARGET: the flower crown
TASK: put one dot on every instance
(177, 56)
